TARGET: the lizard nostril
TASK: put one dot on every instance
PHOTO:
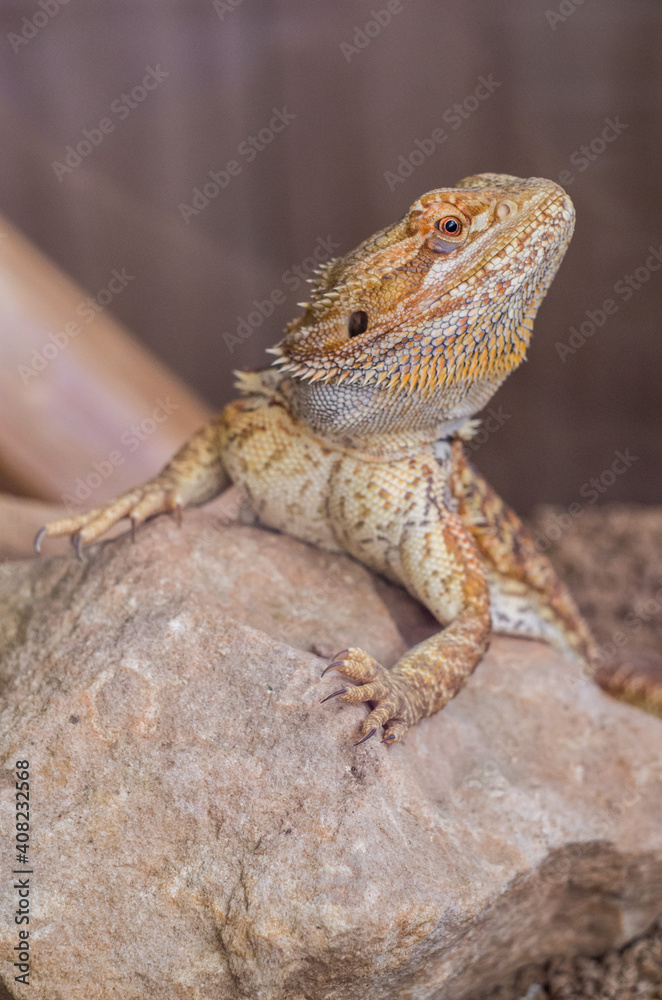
(357, 323)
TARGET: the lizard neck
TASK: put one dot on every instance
(358, 414)
(396, 435)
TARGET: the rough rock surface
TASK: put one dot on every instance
(633, 972)
(203, 829)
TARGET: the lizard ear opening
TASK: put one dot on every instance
(357, 323)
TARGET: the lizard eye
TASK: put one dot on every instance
(357, 323)
(448, 234)
(449, 225)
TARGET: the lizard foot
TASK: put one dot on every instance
(394, 699)
(138, 504)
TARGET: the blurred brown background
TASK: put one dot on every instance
(354, 96)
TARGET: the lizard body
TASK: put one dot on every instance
(353, 441)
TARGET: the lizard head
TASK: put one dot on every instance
(430, 315)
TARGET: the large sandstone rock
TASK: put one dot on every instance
(204, 829)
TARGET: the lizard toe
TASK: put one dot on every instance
(394, 730)
(356, 664)
(388, 694)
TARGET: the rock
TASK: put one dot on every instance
(633, 972)
(611, 557)
(203, 828)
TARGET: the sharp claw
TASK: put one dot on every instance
(77, 543)
(133, 530)
(341, 691)
(389, 739)
(336, 663)
(177, 512)
(38, 539)
(371, 733)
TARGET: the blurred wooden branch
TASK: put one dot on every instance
(85, 411)
(19, 521)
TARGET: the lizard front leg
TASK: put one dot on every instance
(440, 565)
(193, 476)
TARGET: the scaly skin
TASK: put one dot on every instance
(354, 443)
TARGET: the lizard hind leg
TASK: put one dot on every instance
(528, 597)
(518, 610)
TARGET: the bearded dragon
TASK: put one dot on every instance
(353, 439)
